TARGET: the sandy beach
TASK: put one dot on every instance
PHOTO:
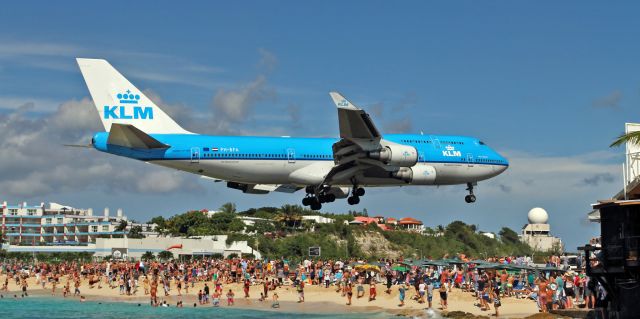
(317, 300)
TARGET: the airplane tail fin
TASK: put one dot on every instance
(341, 102)
(119, 102)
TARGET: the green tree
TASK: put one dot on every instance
(165, 255)
(161, 224)
(228, 208)
(122, 226)
(135, 232)
(631, 137)
(289, 215)
(148, 256)
(508, 235)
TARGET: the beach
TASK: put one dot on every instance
(318, 300)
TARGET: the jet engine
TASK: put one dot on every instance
(416, 175)
(396, 155)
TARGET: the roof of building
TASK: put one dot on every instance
(409, 221)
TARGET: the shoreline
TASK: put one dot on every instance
(318, 300)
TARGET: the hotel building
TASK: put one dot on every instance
(39, 225)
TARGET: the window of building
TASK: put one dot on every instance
(94, 229)
(59, 220)
(105, 227)
(47, 221)
(13, 212)
(31, 212)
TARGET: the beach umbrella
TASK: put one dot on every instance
(367, 267)
(434, 263)
(400, 268)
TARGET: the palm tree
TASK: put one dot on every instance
(148, 256)
(289, 214)
(229, 208)
(631, 137)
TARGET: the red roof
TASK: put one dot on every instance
(409, 221)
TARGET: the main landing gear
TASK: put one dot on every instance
(356, 193)
(470, 198)
(314, 201)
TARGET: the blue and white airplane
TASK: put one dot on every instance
(326, 168)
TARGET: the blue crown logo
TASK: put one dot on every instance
(128, 98)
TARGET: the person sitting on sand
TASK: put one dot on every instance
(230, 296)
(276, 303)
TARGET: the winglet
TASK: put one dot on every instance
(341, 102)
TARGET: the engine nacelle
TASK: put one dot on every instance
(396, 155)
(417, 175)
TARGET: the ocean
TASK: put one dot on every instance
(57, 308)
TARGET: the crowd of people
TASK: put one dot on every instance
(550, 288)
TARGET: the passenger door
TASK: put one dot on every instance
(291, 155)
(195, 155)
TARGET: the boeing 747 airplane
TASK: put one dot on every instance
(325, 168)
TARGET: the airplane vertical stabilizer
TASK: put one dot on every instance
(118, 101)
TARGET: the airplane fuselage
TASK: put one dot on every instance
(271, 160)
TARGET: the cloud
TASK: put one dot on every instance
(553, 176)
(294, 112)
(34, 163)
(268, 60)
(611, 101)
(595, 180)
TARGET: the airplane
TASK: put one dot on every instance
(326, 168)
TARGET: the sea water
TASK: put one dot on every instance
(46, 307)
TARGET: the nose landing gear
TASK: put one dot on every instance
(470, 198)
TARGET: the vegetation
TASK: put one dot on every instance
(148, 256)
(631, 137)
(165, 255)
(283, 233)
(46, 257)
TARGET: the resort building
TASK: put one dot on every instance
(58, 225)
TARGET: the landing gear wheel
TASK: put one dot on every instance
(331, 198)
(359, 192)
(315, 205)
(470, 198)
(306, 201)
(322, 198)
(353, 200)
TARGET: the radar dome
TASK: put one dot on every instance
(538, 215)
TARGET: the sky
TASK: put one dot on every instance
(547, 84)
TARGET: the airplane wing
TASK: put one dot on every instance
(356, 152)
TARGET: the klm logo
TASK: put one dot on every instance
(129, 111)
(343, 103)
(450, 151)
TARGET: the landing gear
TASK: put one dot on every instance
(314, 201)
(354, 199)
(470, 198)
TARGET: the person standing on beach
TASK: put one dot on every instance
(300, 291)
(230, 295)
(145, 284)
(443, 296)
(24, 286)
(76, 284)
(67, 288)
(402, 290)
(372, 290)
(247, 284)
(349, 291)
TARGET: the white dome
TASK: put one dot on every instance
(538, 215)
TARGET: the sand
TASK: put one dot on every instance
(317, 299)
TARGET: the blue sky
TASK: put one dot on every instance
(548, 84)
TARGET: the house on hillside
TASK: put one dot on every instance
(378, 221)
(411, 224)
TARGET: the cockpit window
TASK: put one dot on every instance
(481, 142)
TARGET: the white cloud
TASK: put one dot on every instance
(34, 161)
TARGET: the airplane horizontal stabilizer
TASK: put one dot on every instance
(127, 135)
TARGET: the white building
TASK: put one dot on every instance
(318, 219)
(129, 248)
(537, 233)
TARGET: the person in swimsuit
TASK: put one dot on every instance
(349, 291)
